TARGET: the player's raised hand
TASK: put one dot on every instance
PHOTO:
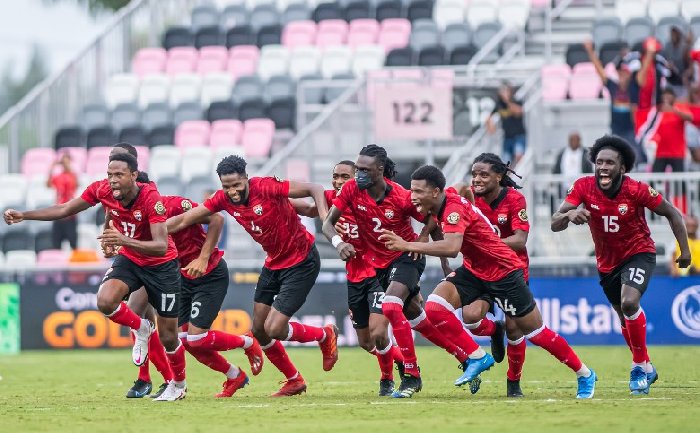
(392, 241)
(579, 216)
(197, 267)
(13, 216)
(340, 227)
(683, 260)
(111, 237)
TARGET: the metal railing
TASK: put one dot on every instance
(552, 13)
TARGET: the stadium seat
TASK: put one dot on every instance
(584, 83)
(161, 135)
(68, 136)
(356, 10)
(216, 87)
(204, 16)
(165, 161)
(181, 60)
(263, 15)
(233, 15)
(367, 58)
(269, 35)
(637, 29)
(331, 33)
(178, 36)
(20, 259)
(363, 32)
(243, 60)
(78, 157)
(198, 185)
(246, 88)
(197, 162)
(257, 137)
(606, 29)
(154, 89)
(170, 184)
(295, 12)
(212, 60)
(484, 33)
(394, 33)
(327, 11)
(43, 239)
(192, 133)
(279, 86)
(93, 115)
(400, 57)
(97, 160)
(274, 60)
(424, 33)
(446, 12)
(330, 93)
(456, 34)
(388, 9)
(134, 135)
(121, 89)
(102, 136)
(149, 61)
(480, 12)
(282, 111)
(87, 236)
(49, 258)
(432, 56)
(144, 157)
(125, 115)
(690, 9)
(555, 82)
(155, 115)
(187, 111)
(628, 9)
(611, 51)
(336, 60)
(225, 133)
(420, 9)
(299, 33)
(304, 61)
(38, 160)
(663, 28)
(185, 88)
(462, 54)
(221, 110)
(310, 94)
(240, 35)
(659, 9)
(576, 53)
(251, 109)
(513, 14)
(14, 190)
(208, 36)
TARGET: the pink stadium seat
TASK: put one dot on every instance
(78, 156)
(299, 33)
(192, 133)
(225, 133)
(144, 157)
(540, 3)
(243, 60)
(394, 33)
(149, 61)
(555, 82)
(38, 160)
(331, 33)
(212, 59)
(298, 170)
(257, 137)
(97, 161)
(585, 82)
(181, 60)
(52, 258)
(363, 32)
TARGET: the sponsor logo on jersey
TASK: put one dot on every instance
(653, 192)
(360, 207)
(685, 311)
(453, 218)
(236, 214)
(502, 218)
(138, 215)
(522, 214)
(622, 208)
(389, 213)
(258, 209)
(594, 206)
(186, 205)
(160, 208)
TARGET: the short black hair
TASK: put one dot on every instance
(143, 177)
(346, 162)
(379, 153)
(500, 167)
(618, 144)
(128, 158)
(669, 90)
(129, 148)
(230, 165)
(432, 175)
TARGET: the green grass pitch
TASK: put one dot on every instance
(83, 391)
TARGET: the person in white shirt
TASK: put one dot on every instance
(572, 161)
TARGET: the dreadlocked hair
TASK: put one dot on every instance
(379, 153)
(143, 177)
(232, 164)
(499, 167)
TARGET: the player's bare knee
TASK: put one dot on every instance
(169, 340)
(512, 331)
(367, 345)
(278, 331)
(629, 306)
(107, 304)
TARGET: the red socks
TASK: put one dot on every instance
(449, 328)
(392, 307)
(386, 362)
(156, 354)
(177, 362)
(557, 346)
(278, 357)
(485, 328)
(626, 335)
(516, 358)
(209, 357)
(217, 340)
(636, 326)
(124, 315)
(304, 333)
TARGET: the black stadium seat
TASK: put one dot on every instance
(251, 109)
(100, 137)
(327, 11)
(282, 111)
(69, 136)
(240, 35)
(611, 51)
(357, 9)
(134, 135)
(462, 54)
(17, 239)
(400, 57)
(161, 135)
(221, 110)
(43, 240)
(208, 36)
(419, 9)
(432, 56)
(269, 35)
(576, 53)
(178, 36)
(388, 9)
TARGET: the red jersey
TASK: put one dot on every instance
(135, 220)
(65, 185)
(189, 241)
(359, 267)
(270, 219)
(507, 214)
(670, 135)
(393, 212)
(618, 225)
(484, 253)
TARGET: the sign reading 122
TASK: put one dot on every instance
(411, 111)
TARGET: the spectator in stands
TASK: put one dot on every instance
(691, 226)
(224, 231)
(65, 183)
(510, 111)
(621, 118)
(572, 161)
(692, 132)
(669, 136)
(677, 53)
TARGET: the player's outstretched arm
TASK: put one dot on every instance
(675, 220)
(304, 208)
(517, 240)
(157, 246)
(569, 213)
(345, 250)
(448, 247)
(50, 213)
(191, 217)
(197, 267)
(313, 190)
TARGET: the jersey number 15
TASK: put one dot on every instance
(610, 224)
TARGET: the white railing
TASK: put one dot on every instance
(552, 13)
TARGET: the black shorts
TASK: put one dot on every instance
(201, 298)
(286, 289)
(403, 270)
(162, 282)
(364, 298)
(511, 293)
(634, 272)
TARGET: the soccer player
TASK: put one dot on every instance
(261, 206)
(495, 195)
(147, 257)
(613, 207)
(378, 204)
(490, 268)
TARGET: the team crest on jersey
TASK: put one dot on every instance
(186, 205)
(138, 215)
(502, 218)
(653, 192)
(522, 214)
(257, 209)
(389, 213)
(622, 208)
(453, 218)
(160, 208)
